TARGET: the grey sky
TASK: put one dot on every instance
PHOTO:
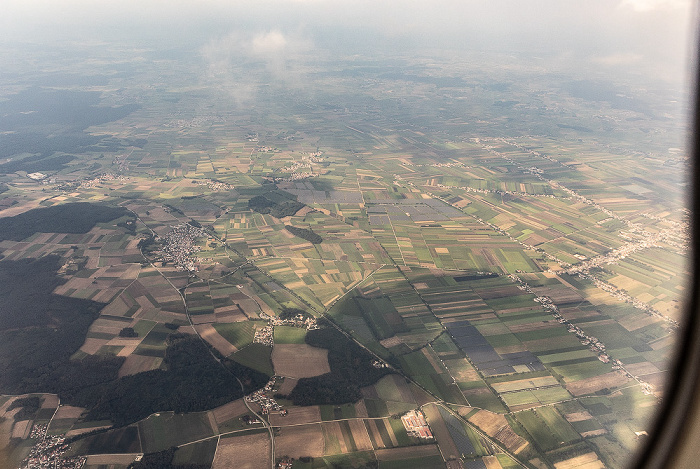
(648, 35)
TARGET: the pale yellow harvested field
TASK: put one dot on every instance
(243, 452)
(127, 350)
(186, 330)
(510, 349)
(297, 415)
(80, 431)
(642, 368)
(305, 440)
(491, 462)
(442, 434)
(91, 346)
(229, 411)
(50, 401)
(300, 360)
(391, 341)
(138, 363)
(533, 326)
(105, 295)
(600, 431)
(68, 412)
(520, 384)
(590, 385)
(496, 426)
(126, 342)
(397, 454)
(106, 329)
(585, 461)
(208, 333)
(107, 324)
(110, 459)
(578, 416)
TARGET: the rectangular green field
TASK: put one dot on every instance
(289, 335)
(162, 431)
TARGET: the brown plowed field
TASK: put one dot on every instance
(295, 442)
(243, 452)
(138, 363)
(297, 415)
(590, 385)
(208, 333)
(229, 411)
(300, 360)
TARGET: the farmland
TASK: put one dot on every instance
(230, 285)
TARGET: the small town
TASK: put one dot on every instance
(300, 320)
(267, 404)
(180, 244)
(214, 185)
(265, 335)
(48, 452)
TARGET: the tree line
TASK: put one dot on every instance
(351, 369)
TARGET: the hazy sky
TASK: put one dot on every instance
(648, 34)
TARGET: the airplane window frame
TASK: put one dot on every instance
(671, 443)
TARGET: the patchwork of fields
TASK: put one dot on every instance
(520, 286)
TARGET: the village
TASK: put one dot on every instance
(267, 404)
(48, 452)
(265, 335)
(595, 345)
(180, 244)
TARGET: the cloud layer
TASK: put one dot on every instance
(657, 32)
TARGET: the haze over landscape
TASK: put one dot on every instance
(314, 234)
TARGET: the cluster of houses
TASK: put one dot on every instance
(213, 185)
(595, 345)
(48, 452)
(415, 424)
(265, 335)
(300, 320)
(94, 182)
(267, 404)
(39, 431)
(180, 244)
(249, 420)
(379, 364)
